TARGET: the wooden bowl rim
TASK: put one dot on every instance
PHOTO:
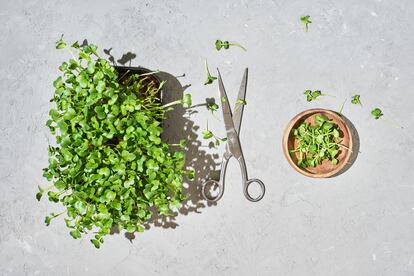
(286, 135)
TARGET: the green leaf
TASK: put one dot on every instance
(60, 44)
(207, 134)
(191, 174)
(91, 67)
(376, 113)
(104, 172)
(356, 100)
(110, 195)
(186, 101)
(100, 112)
(39, 196)
(75, 234)
(48, 220)
(218, 44)
(101, 86)
(306, 21)
(81, 207)
(209, 78)
(96, 243)
(128, 156)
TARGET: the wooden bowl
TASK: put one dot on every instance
(326, 168)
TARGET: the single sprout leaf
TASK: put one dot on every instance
(186, 101)
(226, 45)
(191, 174)
(313, 95)
(75, 234)
(306, 21)
(60, 44)
(207, 134)
(209, 79)
(212, 106)
(356, 100)
(376, 113)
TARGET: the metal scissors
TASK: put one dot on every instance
(232, 123)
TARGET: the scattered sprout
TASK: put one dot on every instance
(356, 100)
(306, 21)
(313, 95)
(226, 45)
(210, 79)
(376, 113)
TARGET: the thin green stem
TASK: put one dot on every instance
(342, 107)
(238, 45)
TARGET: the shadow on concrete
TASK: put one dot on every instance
(355, 145)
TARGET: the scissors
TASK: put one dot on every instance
(232, 124)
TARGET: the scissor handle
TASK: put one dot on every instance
(218, 183)
(246, 189)
(207, 185)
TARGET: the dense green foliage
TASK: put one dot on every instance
(317, 142)
(110, 166)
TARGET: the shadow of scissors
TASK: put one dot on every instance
(232, 124)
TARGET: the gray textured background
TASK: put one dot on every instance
(359, 223)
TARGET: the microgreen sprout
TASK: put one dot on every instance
(191, 174)
(208, 134)
(313, 95)
(226, 45)
(212, 106)
(342, 107)
(356, 100)
(376, 113)
(317, 142)
(306, 21)
(210, 79)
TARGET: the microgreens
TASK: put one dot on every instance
(313, 95)
(356, 100)
(317, 142)
(376, 113)
(210, 79)
(226, 45)
(208, 134)
(212, 106)
(306, 21)
(110, 166)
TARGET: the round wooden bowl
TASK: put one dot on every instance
(325, 169)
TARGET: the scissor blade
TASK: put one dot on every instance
(233, 143)
(238, 112)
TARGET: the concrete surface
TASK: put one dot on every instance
(359, 223)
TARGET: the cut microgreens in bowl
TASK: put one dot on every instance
(306, 21)
(226, 45)
(317, 142)
(313, 95)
